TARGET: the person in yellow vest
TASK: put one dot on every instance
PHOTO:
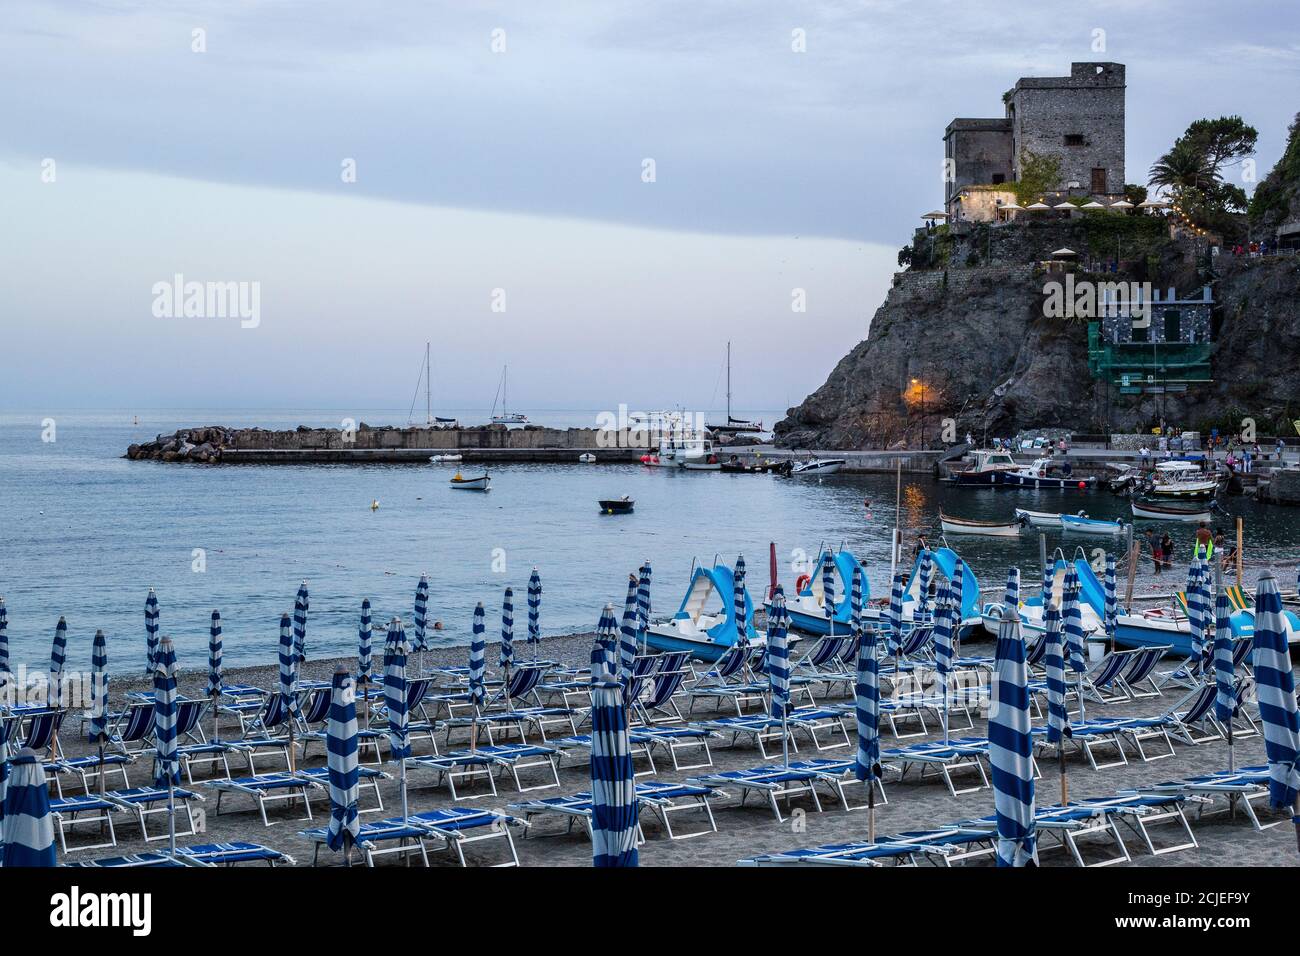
(1204, 542)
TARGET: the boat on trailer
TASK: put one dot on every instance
(705, 633)
(1163, 512)
(1082, 524)
(1040, 475)
(996, 529)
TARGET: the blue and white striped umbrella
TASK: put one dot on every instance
(627, 633)
(98, 731)
(1058, 718)
(1110, 609)
(341, 759)
(828, 589)
(1225, 677)
(926, 575)
(778, 656)
(1072, 615)
(643, 601)
(288, 667)
(943, 649)
(5, 730)
(895, 615)
(1275, 691)
(535, 610)
(1196, 608)
(867, 709)
(166, 767)
(738, 597)
(4, 638)
(855, 601)
(1011, 597)
(1049, 579)
(614, 804)
(421, 641)
(215, 682)
(58, 657)
(365, 645)
(395, 651)
(1011, 748)
(607, 636)
(151, 633)
(507, 656)
(26, 826)
(955, 588)
(478, 659)
(300, 605)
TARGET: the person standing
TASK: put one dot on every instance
(1204, 547)
(1167, 550)
(1154, 545)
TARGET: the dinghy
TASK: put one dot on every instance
(1162, 512)
(706, 633)
(1038, 519)
(1081, 524)
(471, 484)
(616, 506)
(995, 529)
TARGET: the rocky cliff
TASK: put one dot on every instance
(964, 336)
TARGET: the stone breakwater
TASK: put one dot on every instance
(219, 444)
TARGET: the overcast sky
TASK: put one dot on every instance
(522, 169)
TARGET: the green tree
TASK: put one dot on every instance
(1038, 174)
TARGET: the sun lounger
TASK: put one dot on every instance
(763, 729)
(132, 860)
(462, 765)
(659, 701)
(578, 746)
(267, 788)
(1143, 811)
(381, 838)
(367, 777)
(229, 854)
(942, 846)
(958, 755)
(663, 799)
(461, 826)
(1068, 826)
(144, 802)
(80, 810)
(1240, 788)
(87, 769)
(520, 718)
(774, 781)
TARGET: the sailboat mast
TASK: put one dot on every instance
(505, 390)
(728, 380)
(428, 387)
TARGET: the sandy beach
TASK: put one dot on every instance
(742, 831)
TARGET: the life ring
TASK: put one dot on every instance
(801, 582)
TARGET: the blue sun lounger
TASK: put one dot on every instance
(942, 846)
(1243, 787)
(131, 860)
(487, 761)
(79, 810)
(762, 728)
(367, 777)
(230, 854)
(959, 754)
(267, 788)
(373, 840)
(774, 781)
(144, 802)
(663, 799)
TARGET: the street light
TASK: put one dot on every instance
(917, 382)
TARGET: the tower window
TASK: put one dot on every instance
(1073, 139)
(999, 178)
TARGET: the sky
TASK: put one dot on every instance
(502, 204)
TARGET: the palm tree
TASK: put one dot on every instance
(1183, 167)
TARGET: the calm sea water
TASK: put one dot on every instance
(85, 534)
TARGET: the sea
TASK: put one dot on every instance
(85, 533)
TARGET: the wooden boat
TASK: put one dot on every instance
(479, 483)
(1163, 512)
(1038, 519)
(1081, 524)
(997, 529)
(707, 464)
(616, 506)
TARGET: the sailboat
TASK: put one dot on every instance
(734, 426)
(506, 418)
(426, 376)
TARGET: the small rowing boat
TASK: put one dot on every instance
(1162, 512)
(479, 483)
(1081, 524)
(616, 506)
(1038, 519)
(997, 529)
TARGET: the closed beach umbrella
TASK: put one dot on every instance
(738, 597)
(58, 657)
(421, 642)
(478, 659)
(399, 740)
(1058, 718)
(365, 647)
(151, 633)
(778, 667)
(535, 610)
(215, 681)
(606, 631)
(26, 827)
(1111, 606)
(507, 656)
(828, 589)
(867, 712)
(955, 589)
(5, 730)
(643, 602)
(627, 633)
(341, 759)
(300, 604)
(1225, 677)
(98, 692)
(166, 766)
(1195, 609)
(288, 669)
(4, 638)
(855, 601)
(896, 615)
(1011, 598)
(613, 788)
(1072, 616)
(1275, 690)
(943, 650)
(1011, 749)
(926, 575)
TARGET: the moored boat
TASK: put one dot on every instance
(1038, 519)
(988, 468)
(818, 466)
(479, 483)
(616, 506)
(1044, 473)
(1182, 480)
(587, 458)
(997, 529)
(1163, 512)
(1082, 524)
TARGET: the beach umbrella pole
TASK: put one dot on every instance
(171, 815)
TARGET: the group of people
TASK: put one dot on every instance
(1206, 545)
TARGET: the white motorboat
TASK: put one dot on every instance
(987, 468)
(506, 418)
(997, 529)
(586, 458)
(1082, 524)
(478, 483)
(439, 459)
(675, 451)
(1045, 473)
(1038, 519)
(1183, 479)
(818, 466)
